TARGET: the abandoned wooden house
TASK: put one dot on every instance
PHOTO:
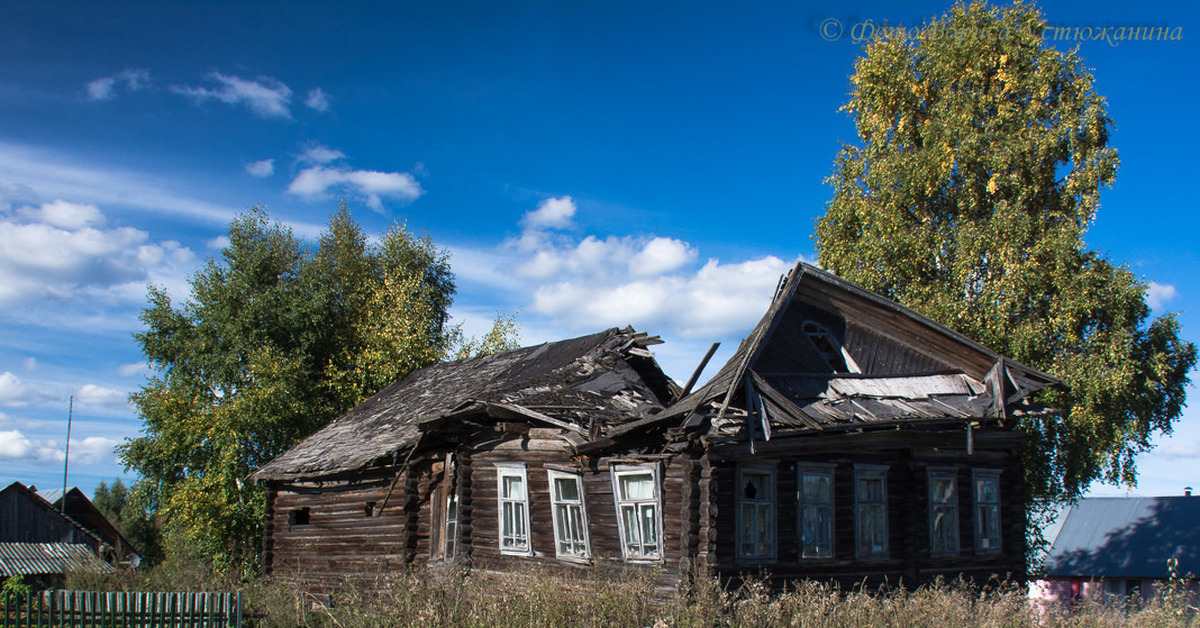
(848, 438)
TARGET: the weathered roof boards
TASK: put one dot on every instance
(847, 438)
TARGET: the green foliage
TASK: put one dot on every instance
(130, 512)
(15, 587)
(983, 153)
(505, 335)
(277, 339)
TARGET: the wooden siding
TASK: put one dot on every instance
(908, 559)
(340, 542)
(27, 518)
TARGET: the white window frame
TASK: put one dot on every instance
(578, 548)
(761, 506)
(618, 472)
(979, 523)
(804, 502)
(947, 511)
(870, 472)
(521, 503)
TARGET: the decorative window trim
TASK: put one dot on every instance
(947, 509)
(978, 509)
(864, 472)
(761, 506)
(521, 503)
(802, 501)
(618, 472)
(584, 552)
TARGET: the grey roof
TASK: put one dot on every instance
(1127, 537)
(52, 495)
(945, 376)
(583, 384)
(48, 558)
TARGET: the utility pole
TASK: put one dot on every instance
(67, 454)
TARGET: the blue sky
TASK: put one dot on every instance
(588, 164)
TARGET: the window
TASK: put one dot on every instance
(986, 489)
(756, 508)
(870, 505)
(570, 518)
(514, 509)
(451, 538)
(943, 512)
(816, 510)
(637, 496)
(829, 348)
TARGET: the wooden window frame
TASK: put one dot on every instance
(978, 506)
(513, 470)
(803, 501)
(864, 472)
(770, 502)
(946, 510)
(836, 349)
(566, 506)
(619, 471)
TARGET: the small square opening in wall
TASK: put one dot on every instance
(298, 517)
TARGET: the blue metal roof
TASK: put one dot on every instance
(1127, 537)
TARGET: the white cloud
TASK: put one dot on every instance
(30, 364)
(316, 181)
(319, 154)
(317, 100)
(1159, 294)
(13, 444)
(265, 96)
(661, 255)
(85, 452)
(63, 214)
(261, 168)
(133, 369)
(1181, 451)
(15, 393)
(105, 88)
(217, 243)
(715, 301)
(36, 176)
(582, 283)
(56, 251)
(94, 395)
(552, 213)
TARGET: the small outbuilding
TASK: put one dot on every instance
(1123, 546)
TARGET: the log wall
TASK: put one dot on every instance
(909, 559)
(341, 541)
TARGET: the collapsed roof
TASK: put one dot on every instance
(830, 355)
(827, 355)
(583, 385)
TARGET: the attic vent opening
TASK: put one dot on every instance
(829, 348)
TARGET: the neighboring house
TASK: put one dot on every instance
(82, 511)
(848, 438)
(1122, 546)
(37, 539)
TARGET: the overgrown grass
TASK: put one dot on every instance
(535, 598)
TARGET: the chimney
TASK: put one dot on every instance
(1187, 491)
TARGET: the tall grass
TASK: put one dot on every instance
(447, 597)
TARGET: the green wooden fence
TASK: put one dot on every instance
(88, 609)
